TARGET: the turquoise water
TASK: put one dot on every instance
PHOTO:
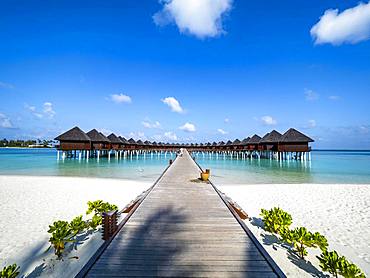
(325, 167)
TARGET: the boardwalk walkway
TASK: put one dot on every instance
(182, 229)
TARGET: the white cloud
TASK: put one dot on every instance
(311, 123)
(6, 85)
(48, 110)
(148, 124)
(120, 98)
(174, 104)
(310, 95)
(137, 135)
(268, 120)
(188, 127)
(334, 97)
(223, 132)
(350, 26)
(5, 121)
(201, 18)
(171, 136)
(227, 120)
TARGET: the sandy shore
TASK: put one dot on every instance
(29, 204)
(340, 212)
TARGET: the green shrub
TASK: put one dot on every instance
(10, 271)
(78, 225)
(98, 207)
(276, 220)
(95, 222)
(335, 264)
(61, 233)
(301, 238)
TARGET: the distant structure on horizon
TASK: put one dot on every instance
(292, 145)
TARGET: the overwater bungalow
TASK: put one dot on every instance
(270, 141)
(294, 141)
(253, 142)
(115, 142)
(74, 139)
(98, 141)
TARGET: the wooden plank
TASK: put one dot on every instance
(182, 229)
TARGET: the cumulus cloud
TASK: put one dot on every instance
(5, 85)
(48, 110)
(310, 95)
(268, 120)
(221, 131)
(188, 127)
(350, 26)
(5, 121)
(148, 124)
(227, 120)
(174, 104)
(120, 98)
(311, 123)
(171, 136)
(201, 18)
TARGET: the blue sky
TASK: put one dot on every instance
(235, 68)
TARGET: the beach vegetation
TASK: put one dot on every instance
(276, 220)
(301, 239)
(336, 265)
(61, 234)
(10, 271)
(78, 225)
(98, 207)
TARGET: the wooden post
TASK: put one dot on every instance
(171, 161)
(109, 224)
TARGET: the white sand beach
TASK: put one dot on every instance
(341, 212)
(29, 204)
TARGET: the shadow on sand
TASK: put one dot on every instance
(274, 241)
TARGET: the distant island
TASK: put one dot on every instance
(4, 143)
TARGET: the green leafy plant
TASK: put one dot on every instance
(10, 271)
(78, 225)
(98, 207)
(276, 220)
(350, 270)
(335, 264)
(301, 238)
(61, 233)
(95, 222)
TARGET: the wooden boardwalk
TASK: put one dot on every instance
(183, 229)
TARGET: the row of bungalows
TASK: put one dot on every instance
(291, 144)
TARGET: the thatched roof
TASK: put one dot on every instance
(97, 137)
(222, 143)
(294, 136)
(123, 139)
(114, 139)
(272, 137)
(229, 143)
(139, 142)
(131, 141)
(236, 142)
(74, 134)
(209, 144)
(214, 144)
(147, 143)
(255, 139)
(245, 141)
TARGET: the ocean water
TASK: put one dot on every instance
(325, 167)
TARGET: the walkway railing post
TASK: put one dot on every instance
(109, 224)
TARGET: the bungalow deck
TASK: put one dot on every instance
(183, 229)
